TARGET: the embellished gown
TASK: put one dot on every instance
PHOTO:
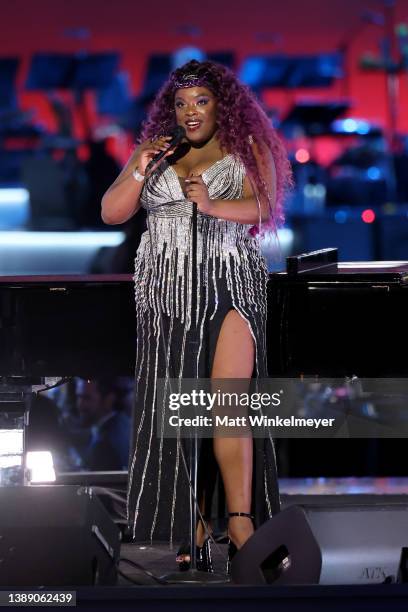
(231, 273)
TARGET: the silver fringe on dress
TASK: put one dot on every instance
(231, 273)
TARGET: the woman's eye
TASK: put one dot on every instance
(179, 104)
(202, 102)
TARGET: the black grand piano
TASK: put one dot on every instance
(324, 319)
(342, 320)
(68, 325)
(337, 319)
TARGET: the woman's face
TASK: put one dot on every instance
(196, 111)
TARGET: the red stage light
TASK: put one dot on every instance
(368, 215)
(302, 156)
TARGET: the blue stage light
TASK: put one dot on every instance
(350, 125)
(363, 127)
(373, 173)
(340, 216)
(252, 70)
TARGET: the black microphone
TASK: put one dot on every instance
(177, 135)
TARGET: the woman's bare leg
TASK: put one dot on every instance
(234, 359)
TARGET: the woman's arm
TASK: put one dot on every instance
(246, 209)
(122, 200)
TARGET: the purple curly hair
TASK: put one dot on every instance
(239, 117)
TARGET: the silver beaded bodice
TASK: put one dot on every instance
(163, 196)
(169, 215)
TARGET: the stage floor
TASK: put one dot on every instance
(159, 559)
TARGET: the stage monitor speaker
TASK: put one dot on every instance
(282, 551)
(56, 536)
(361, 536)
(361, 539)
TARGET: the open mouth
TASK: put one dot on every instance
(193, 125)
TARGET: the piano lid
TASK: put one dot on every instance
(74, 279)
(322, 267)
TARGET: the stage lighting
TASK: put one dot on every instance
(11, 442)
(302, 156)
(368, 215)
(340, 216)
(41, 466)
(11, 449)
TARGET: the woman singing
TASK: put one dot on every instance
(232, 164)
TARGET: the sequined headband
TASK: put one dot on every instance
(191, 80)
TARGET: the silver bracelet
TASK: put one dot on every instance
(137, 176)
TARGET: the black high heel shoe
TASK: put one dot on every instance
(232, 549)
(203, 557)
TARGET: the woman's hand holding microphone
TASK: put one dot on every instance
(197, 191)
(146, 151)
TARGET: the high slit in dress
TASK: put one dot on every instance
(232, 274)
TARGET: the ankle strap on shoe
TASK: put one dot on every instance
(240, 514)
